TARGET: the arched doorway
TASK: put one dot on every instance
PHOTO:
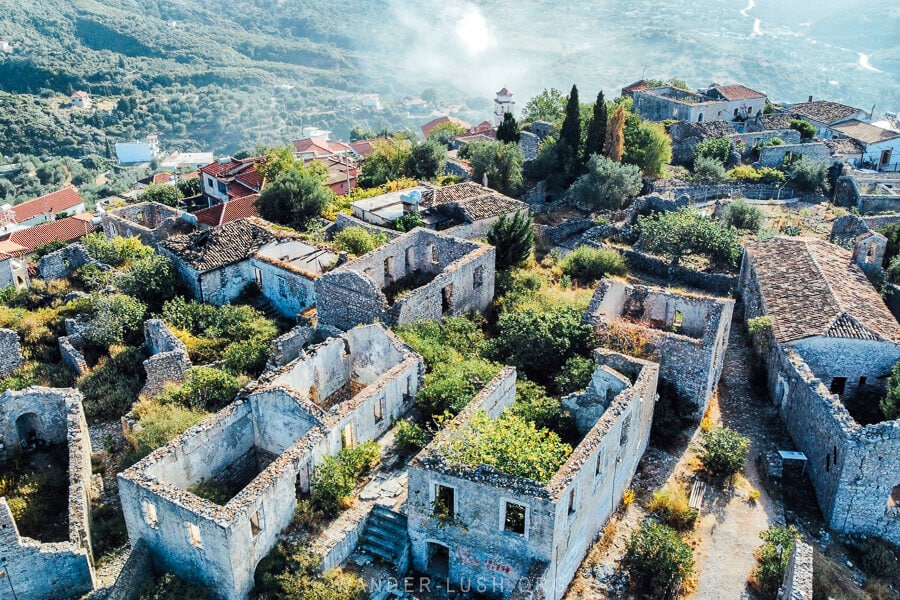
(30, 429)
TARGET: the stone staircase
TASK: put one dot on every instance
(262, 304)
(385, 536)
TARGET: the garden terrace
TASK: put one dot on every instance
(44, 442)
(339, 393)
(474, 522)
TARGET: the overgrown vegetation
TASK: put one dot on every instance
(293, 573)
(587, 264)
(157, 424)
(686, 232)
(723, 451)
(657, 559)
(166, 586)
(671, 506)
(890, 404)
(744, 216)
(335, 477)
(113, 384)
(357, 241)
(513, 239)
(772, 559)
(36, 488)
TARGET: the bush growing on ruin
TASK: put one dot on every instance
(294, 197)
(360, 458)
(207, 389)
(657, 559)
(810, 174)
(159, 423)
(717, 149)
(447, 340)
(723, 451)
(686, 232)
(410, 435)
(113, 384)
(513, 239)
(587, 264)
(358, 241)
(150, 279)
(450, 386)
(671, 505)
(772, 559)
(539, 342)
(335, 478)
(535, 405)
(294, 573)
(116, 319)
(116, 252)
(880, 558)
(807, 130)
(574, 376)
(744, 216)
(502, 163)
(709, 171)
(169, 587)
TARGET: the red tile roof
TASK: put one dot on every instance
(63, 230)
(738, 92)
(231, 167)
(10, 248)
(427, 127)
(162, 178)
(363, 147)
(52, 203)
(320, 146)
(227, 212)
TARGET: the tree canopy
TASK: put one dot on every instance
(161, 193)
(513, 238)
(547, 106)
(294, 197)
(606, 185)
(501, 162)
(508, 131)
(684, 232)
(596, 131)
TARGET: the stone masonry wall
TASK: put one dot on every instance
(773, 156)
(134, 573)
(169, 360)
(10, 352)
(62, 262)
(798, 578)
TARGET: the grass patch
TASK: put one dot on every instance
(36, 487)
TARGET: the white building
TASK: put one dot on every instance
(81, 99)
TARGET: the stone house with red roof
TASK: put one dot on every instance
(742, 102)
(829, 344)
(47, 207)
(825, 115)
(65, 230)
(229, 179)
(217, 264)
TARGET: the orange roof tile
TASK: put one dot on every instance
(52, 203)
(226, 212)
(63, 230)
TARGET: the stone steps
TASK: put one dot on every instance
(385, 535)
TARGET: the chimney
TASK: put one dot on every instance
(810, 99)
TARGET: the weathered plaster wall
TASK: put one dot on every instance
(150, 222)
(289, 292)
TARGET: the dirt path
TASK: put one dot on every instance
(730, 524)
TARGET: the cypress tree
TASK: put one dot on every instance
(596, 133)
(508, 131)
(571, 127)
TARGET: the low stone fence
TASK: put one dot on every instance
(71, 356)
(716, 283)
(798, 578)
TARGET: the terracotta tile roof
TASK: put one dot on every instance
(427, 127)
(162, 178)
(363, 147)
(220, 246)
(231, 167)
(226, 212)
(11, 248)
(823, 111)
(63, 230)
(475, 201)
(52, 203)
(737, 92)
(776, 121)
(637, 85)
(812, 288)
(843, 147)
(320, 146)
(865, 132)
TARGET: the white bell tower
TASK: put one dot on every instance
(503, 104)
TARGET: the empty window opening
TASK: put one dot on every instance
(700, 117)
(254, 524)
(735, 112)
(444, 501)
(410, 259)
(478, 277)
(407, 389)
(601, 463)
(862, 382)
(194, 535)
(834, 455)
(572, 501)
(678, 321)
(447, 300)
(837, 385)
(514, 518)
(626, 427)
(30, 429)
(438, 560)
(432, 251)
(150, 514)
(827, 463)
(388, 268)
(347, 436)
(379, 410)
(894, 498)
(870, 255)
(257, 275)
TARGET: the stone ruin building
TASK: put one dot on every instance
(831, 347)
(688, 332)
(151, 222)
(169, 360)
(868, 246)
(32, 420)
(421, 275)
(217, 264)
(504, 528)
(266, 444)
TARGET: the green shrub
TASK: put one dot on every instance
(150, 279)
(656, 558)
(770, 175)
(709, 171)
(588, 265)
(534, 405)
(880, 558)
(608, 184)
(408, 222)
(361, 458)
(513, 239)
(358, 241)
(332, 484)
(772, 559)
(758, 325)
(810, 174)
(206, 389)
(158, 424)
(293, 573)
(807, 130)
(890, 404)
(450, 386)
(723, 451)
(575, 375)
(671, 505)
(169, 587)
(744, 173)
(741, 215)
(247, 357)
(508, 443)
(445, 340)
(113, 385)
(116, 319)
(117, 251)
(410, 435)
(718, 149)
(685, 232)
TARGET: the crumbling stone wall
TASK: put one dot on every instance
(773, 156)
(63, 262)
(169, 359)
(137, 569)
(847, 193)
(150, 222)
(220, 546)
(692, 354)
(51, 570)
(10, 352)
(798, 578)
(462, 280)
(71, 356)
(561, 517)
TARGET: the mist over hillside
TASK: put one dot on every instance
(227, 75)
